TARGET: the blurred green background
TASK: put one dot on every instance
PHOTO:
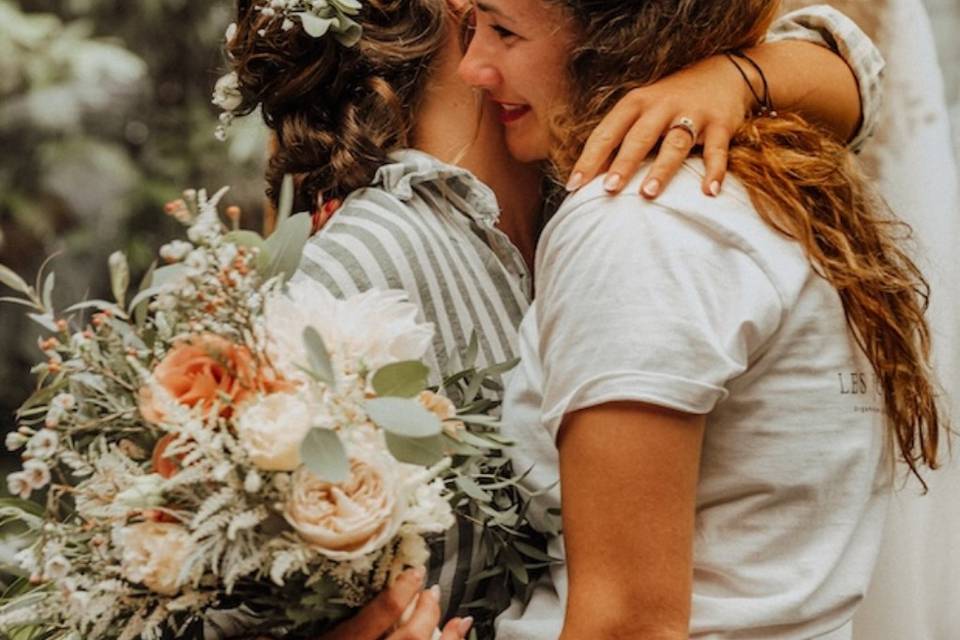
(105, 115)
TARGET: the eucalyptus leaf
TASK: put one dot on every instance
(472, 489)
(515, 565)
(41, 396)
(285, 246)
(315, 26)
(26, 506)
(10, 278)
(91, 380)
(473, 349)
(499, 368)
(421, 451)
(403, 417)
(349, 32)
(20, 301)
(532, 552)
(401, 379)
(140, 313)
(321, 366)
(45, 320)
(48, 285)
(285, 202)
(143, 296)
(171, 274)
(119, 276)
(245, 238)
(324, 455)
(99, 305)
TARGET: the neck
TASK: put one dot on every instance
(453, 127)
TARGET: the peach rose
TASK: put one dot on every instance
(154, 554)
(208, 371)
(444, 409)
(349, 520)
(163, 465)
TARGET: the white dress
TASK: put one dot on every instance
(916, 589)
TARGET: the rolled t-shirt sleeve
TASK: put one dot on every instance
(636, 302)
(828, 27)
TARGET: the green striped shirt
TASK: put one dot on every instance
(429, 228)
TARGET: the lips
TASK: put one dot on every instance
(512, 112)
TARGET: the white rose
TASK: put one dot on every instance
(272, 428)
(373, 328)
(349, 520)
(153, 554)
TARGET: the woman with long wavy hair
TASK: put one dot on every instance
(719, 385)
(370, 111)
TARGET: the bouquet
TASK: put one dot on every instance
(231, 438)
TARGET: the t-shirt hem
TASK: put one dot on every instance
(662, 390)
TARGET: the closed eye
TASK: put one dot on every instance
(502, 32)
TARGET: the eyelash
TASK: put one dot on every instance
(502, 33)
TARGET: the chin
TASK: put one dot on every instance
(526, 150)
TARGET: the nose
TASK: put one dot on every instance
(475, 67)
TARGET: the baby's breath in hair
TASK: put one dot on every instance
(318, 18)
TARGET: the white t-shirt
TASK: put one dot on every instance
(695, 304)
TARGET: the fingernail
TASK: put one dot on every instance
(612, 182)
(465, 625)
(575, 182)
(715, 188)
(652, 188)
(435, 592)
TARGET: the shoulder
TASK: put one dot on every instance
(682, 225)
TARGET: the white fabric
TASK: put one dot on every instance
(696, 304)
(917, 589)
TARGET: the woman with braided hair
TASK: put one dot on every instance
(712, 391)
(366, 107)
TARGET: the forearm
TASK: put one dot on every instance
(810, 80)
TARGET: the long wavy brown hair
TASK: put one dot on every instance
(337, 112)
(803, 184)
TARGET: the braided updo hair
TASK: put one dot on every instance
(336, 111)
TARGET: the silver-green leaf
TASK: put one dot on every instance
(119, 276)
(48, 291)
(284, 247)
(245, 238)
(420, 451)
(315, 26)
(401, 379)
(321, 366)
(10, 278)
(323, 453)
(403, 417)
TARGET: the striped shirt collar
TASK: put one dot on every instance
(411, 168)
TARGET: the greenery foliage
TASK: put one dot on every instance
(105, 115)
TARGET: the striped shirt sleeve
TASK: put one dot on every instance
(429, 246)
(830, 28)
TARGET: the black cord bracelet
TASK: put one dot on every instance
(764, 102)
